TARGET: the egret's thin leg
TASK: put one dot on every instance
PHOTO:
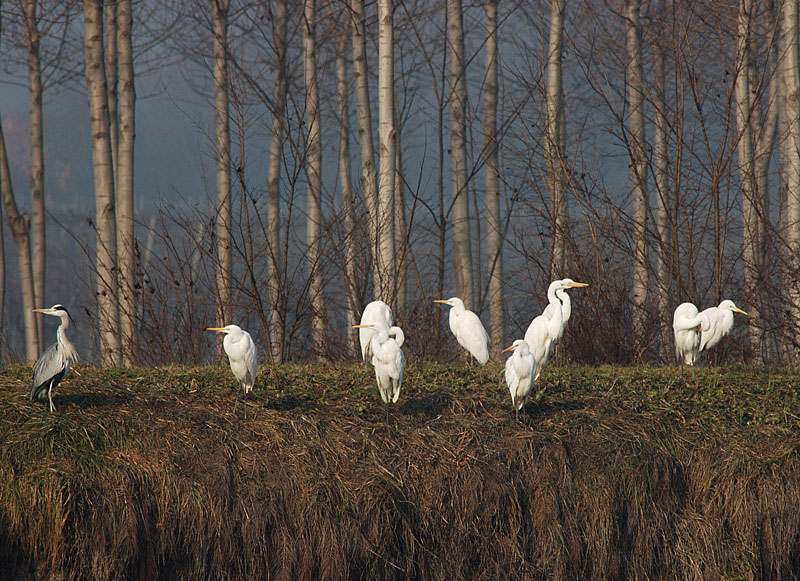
(245, 403)
(236, 402)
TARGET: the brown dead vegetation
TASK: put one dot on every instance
(617, 473)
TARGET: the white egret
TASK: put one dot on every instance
(374, 311)
(468, 329)
(560, 290)
(718, 323)
(54, 363)
(520, 370)
(687, 325)
(241, 351)
(388, 360)
(548, 327)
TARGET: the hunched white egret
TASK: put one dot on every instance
(241, 352)
(54, 363)
(374, 311)
(520, 370)
(388, 360)
(687, 325)
(718, 323)
(468, 329)
(546, 329)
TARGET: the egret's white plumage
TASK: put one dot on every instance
(241, 352)
(54, 363)
(373, 312)
(387, 358)
(687, 324)
(468, 329)
(718, 323)
(546, 329)
(520, 371)
(559, 289)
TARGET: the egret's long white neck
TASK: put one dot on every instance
(566, 304)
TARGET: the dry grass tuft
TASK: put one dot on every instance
(614, 473)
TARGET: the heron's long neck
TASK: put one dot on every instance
(63, 342)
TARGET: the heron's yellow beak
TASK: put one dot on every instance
(441, 301)
(41, 310)
(361, 326)
(508, 349)
(215, 329)
(577, 284)
(738, 310)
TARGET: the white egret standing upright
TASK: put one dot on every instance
(559, 288)
(374, 311)
(718, 323)
(241, 351)
(548, 327)
(520, 370)
(56, 361)
(468, 329)
(687, 325)
(388, 360)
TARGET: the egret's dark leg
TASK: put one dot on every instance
(387, 412)
(245, 403)
(236, 402)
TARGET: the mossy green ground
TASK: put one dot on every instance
(611, 472)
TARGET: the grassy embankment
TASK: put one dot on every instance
(615, 473)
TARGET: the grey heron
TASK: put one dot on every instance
(241, 351)
(54, 363)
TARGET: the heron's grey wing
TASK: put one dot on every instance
(50, 366)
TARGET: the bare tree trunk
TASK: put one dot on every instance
(38, 247)
(20, 229)
(347, 198)
(664, 200)
(556, 182)
(790, 73)
(369, 175)
(638, 169)
(107, 304)
(125, 192)
(222, 223)
(277, 328)
(313, 175)
(110, 42)
(386, 148)
(747, 170)
(462, 243)
(400, 227)
(492, 180)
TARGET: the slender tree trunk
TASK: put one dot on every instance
(386, 149)
(638, 169)
(38, 247)
(743, 113)
(276, 295)
(125, 191)
(369, 174)
(110, 46)
(107, 304)
(313, 175)
(556, 182)
(462, 243)
(663, 200)
(19, 225)
(400, 227)
(790, 161)
(347, 198)
(494, 230)
(222, 223)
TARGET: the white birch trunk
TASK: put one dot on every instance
(38, 246)
(369, 175)
(638, 169)
(462, 242)
(494, 231)
(110, 52)
(107, 305)
(313, 176)
(277, 328)
(125, 191)
(222, 222)
(386, 176)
